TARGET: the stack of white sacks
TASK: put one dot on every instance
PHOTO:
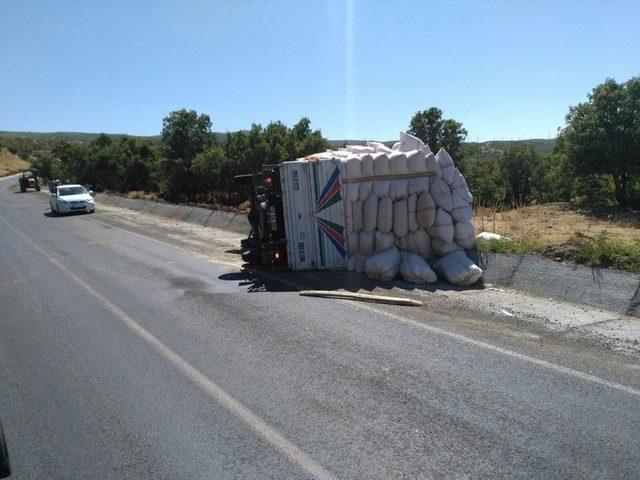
(408, 212)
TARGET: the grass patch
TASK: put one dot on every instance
(508, 246)
(605, 252)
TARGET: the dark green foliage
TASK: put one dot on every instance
(593, 190)
(516, 166)
(432, 129)
(602, 135)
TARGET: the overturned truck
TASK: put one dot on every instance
(383, 211)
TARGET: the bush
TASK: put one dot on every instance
(593, 191)
(602, 251)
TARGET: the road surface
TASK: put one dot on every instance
(131, 358)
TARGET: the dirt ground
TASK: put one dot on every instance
(557, 223)
(10, 163)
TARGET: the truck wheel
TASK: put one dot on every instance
(23, 188)
(37, 188)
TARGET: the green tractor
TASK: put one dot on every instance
(29, 179)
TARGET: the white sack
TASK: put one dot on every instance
(398, 189)
(464, 235)
(383, 265)
(401, 218)
(366, 167)
(370, 213)
(364, 190)
(442, 248)
(398, 166)
(412, 222)
(446, 164)
(352, 243)
(360, 262)
(381, 168)
(358, 149)
(384, 241)
(358, 212)
(396, 146)
(418, 185)
(416, 162)
(422, 243)
(442, 228)
(441, 193)
(460, 210)
(432, 165)
(366, 242)
(459, 186)
(385, 215)
(414, 269)
(425, 210)
(409, 142)
(398, 163)
(401, 243)
(411, 243)
(348, 216)
(353, 170)
(457, 269)
(379, 147)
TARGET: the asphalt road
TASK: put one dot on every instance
(126, 357)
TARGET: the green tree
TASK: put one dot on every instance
(185, 134)
(602, 135)
(516, 166)
(432, 129)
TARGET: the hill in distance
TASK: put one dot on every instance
(541, 145)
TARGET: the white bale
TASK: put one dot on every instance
(416, 161)
(370, 213)
(459, 186)
(442, 228)
(441, 193)
(398, 189)
(351, 263)
(396, 146)
(446, 164)
(411, 243)
(460, 210)
(357, 208)
(379, 147)
(348, 216)
(398, 163)
(464, 235)
(400, 218)
(381, 169)
(409, 142)
(414, 269)
(385, 215)
(398, 166)
(400, 243)
(425, 210)
(422, 243)
(366, 242)
(441, 248)
(366, 167)
(383, 265)
(412, 222)
(432, 165)
(364, 190)
(353, 171)
(352, 243)
(384, 241)
(360, 262)
(457, 269)
(359, 149)
(418, 185)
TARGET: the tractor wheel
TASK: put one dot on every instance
(23, 187)
(37, 188)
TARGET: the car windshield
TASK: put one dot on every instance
(63, 192)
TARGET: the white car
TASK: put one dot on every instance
(71, 198)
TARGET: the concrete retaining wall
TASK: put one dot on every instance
(611, 290)
(200, 216)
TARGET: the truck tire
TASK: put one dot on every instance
(37, 188)
(5, 469)
(23, 187)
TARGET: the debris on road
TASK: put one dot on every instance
(361, 297)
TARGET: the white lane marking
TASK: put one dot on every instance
(478, 343)
(252, 420)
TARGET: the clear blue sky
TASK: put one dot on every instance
(357, 69)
